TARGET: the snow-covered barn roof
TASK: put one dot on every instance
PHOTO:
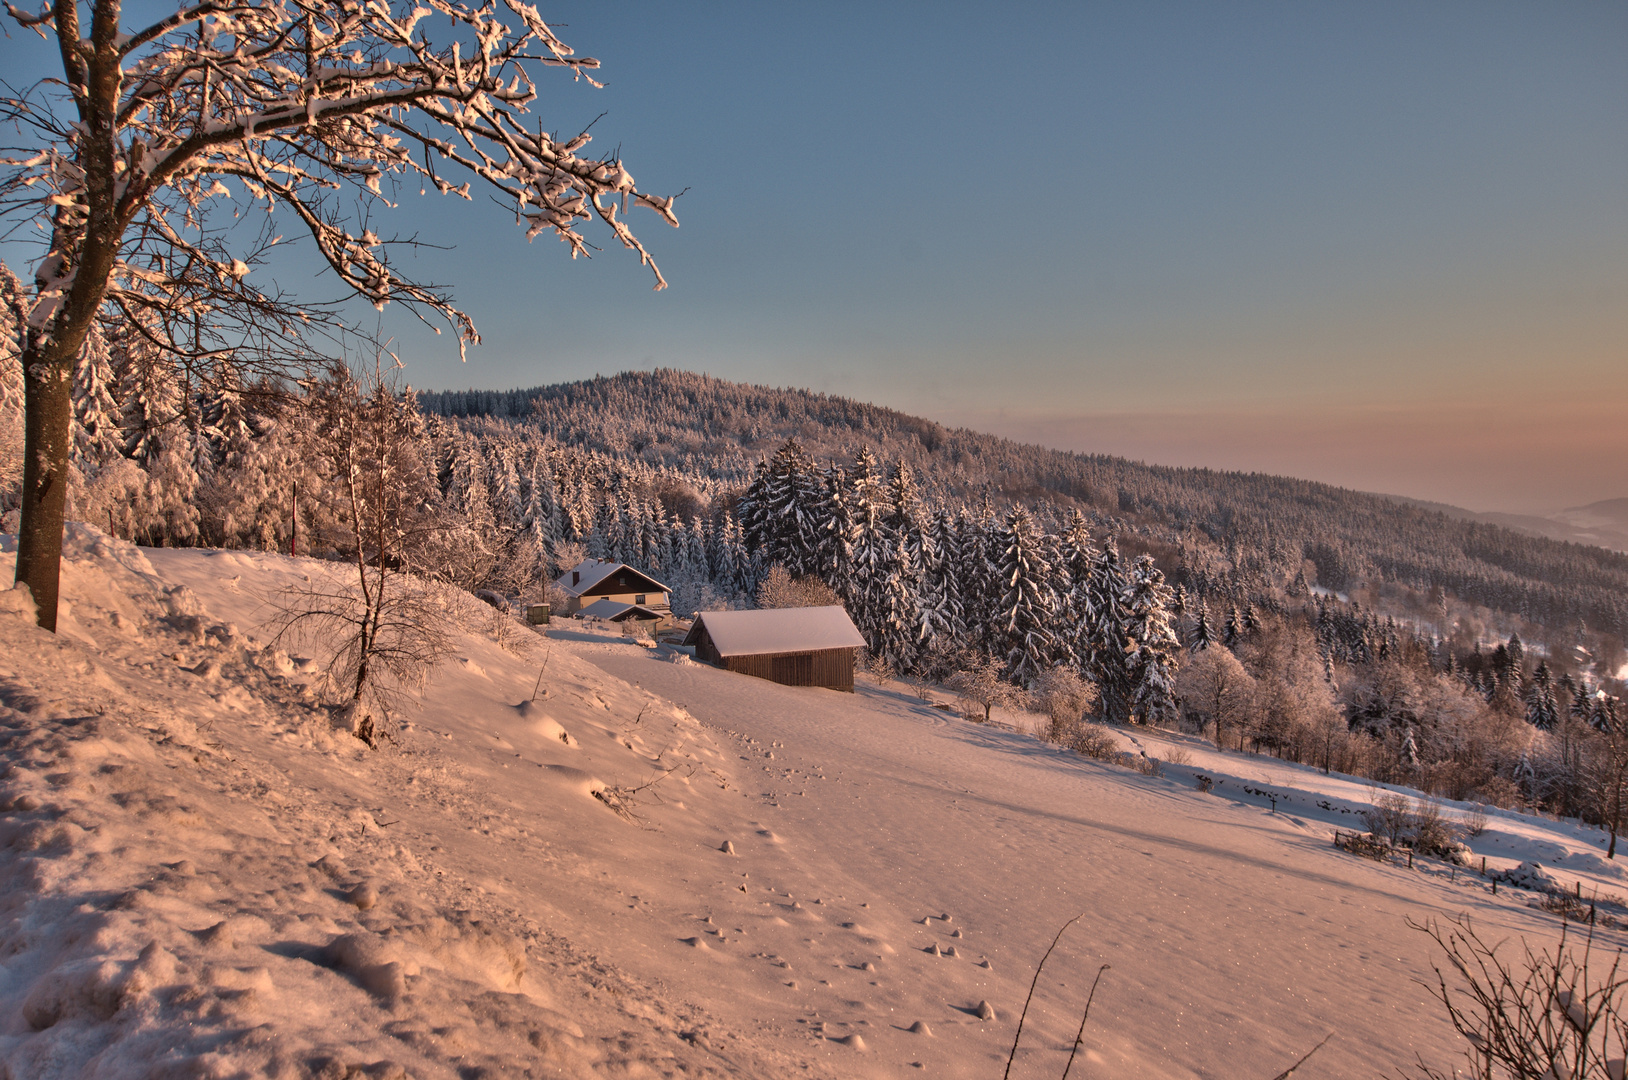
(616, 611)
(776, 630)
(590, 573)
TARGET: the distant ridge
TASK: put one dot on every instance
(1602, 524)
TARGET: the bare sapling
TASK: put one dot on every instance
(1531, 1014)
(384, 630)
(540, 673)
(1079, 1035)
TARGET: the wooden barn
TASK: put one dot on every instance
(812, 646)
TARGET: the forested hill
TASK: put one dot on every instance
(1263, 525)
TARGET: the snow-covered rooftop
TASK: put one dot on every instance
(613, 610)
(587, 574)
(777, 630)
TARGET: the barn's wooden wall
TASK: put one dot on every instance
(820, 667)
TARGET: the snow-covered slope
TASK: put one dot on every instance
(200, 877)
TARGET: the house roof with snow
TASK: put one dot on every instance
(616, 611)
(594, 575)
(776, 630)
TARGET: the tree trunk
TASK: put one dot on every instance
(48, 396)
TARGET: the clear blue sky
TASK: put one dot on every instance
(1384, 245)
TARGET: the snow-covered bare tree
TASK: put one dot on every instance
(387, 631)
(133, 161)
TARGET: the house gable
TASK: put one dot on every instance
(594, 578)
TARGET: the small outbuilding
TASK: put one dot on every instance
(810, 646)
(617, 612)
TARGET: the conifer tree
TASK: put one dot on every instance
(899, 611)
(95, 412)
(1201, 635)
(1024, 630)
(736, 574)
(981, 575)
(780, 512)
(1251, 621)
(943, 603)
(1107, 638)
(1541, 710)
(1152, 645)
(904, 516)
(835, 524)
(870, 550)
(1076, 554)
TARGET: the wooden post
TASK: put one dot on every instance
(1410, 858)
(294, 530)
(1495, 886)
(1483, 866)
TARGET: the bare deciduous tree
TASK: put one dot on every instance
(1214, 686)
(781, 590)
(387, 630)
(1606, 774)
(135, 159)
(1065, 698)
(979, 683)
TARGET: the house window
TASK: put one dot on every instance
(639, 599)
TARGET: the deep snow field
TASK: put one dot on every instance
(199, 876)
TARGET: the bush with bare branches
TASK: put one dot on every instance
(1544, 1014)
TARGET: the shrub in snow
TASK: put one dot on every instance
(1388, 818)
(1094, 741)
(1430, 832)
(780, 589)
(1064, 697)
(982, 688)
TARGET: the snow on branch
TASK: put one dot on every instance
(310, 105)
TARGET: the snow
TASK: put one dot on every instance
(779, 630)
(199, 875)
